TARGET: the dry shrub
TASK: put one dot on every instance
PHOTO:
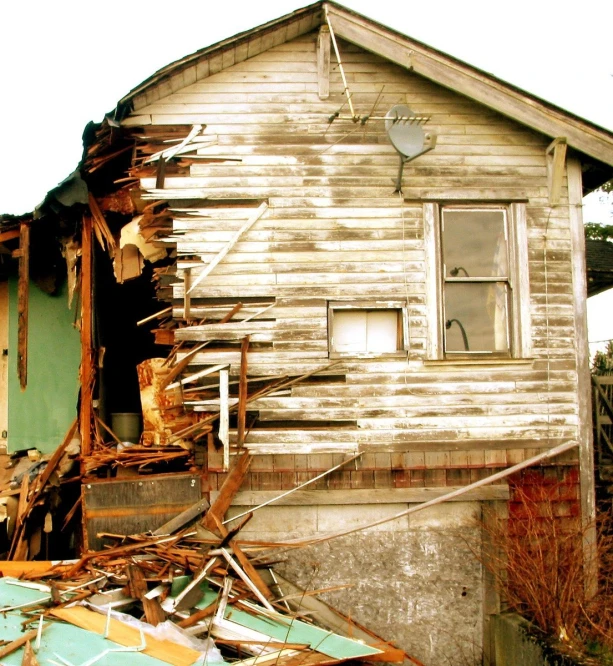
(537, 557)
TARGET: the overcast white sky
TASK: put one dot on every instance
(66, 62)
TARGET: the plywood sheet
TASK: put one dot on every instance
(137, 504)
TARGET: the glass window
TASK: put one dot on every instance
(476, 285)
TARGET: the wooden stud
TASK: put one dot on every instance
(242, 394)
(23, 294)
(160, 175)
(224, 421)
(187, 287)
(87, 352)
(323, 62)
(19, 544)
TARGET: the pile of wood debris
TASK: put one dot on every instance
(188, 593)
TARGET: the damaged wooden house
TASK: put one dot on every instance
(350, 255)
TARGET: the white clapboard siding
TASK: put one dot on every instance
(336, 231)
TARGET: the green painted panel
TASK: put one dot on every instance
(72, 643)
(288, 630)
(40, 416)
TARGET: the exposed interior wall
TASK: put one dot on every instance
(413, 581)
(40, 416)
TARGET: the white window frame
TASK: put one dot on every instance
(520, 337)
(399, 306)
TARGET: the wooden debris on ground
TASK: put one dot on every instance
(200, 582)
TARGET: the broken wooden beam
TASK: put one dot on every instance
(183, 518)
(230, 487)
(11, 647)
(23, 297)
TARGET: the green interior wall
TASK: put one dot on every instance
(40, 416)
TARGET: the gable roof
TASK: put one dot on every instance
(525, 108)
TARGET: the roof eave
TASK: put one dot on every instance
(207, 52)
(517, 104)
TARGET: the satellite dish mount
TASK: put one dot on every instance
(406, 132)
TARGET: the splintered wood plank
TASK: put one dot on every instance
(183, 518)
(29, 658)
(251, 571)
(11, 647)
(119, 632)
(19, 544)
(17, 548)
(248, 224)
(230, 487)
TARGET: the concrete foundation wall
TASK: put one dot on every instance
(513, 646)
(414, 580)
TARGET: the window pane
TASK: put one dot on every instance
(476, 317)
(382, 331)
(349, 331)
(474, 243)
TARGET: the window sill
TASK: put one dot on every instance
(398, 354)
(470, 362)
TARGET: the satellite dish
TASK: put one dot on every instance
(407, 135)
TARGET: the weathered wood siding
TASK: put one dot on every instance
(334, 230)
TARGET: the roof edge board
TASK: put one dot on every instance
(247, 36)
(479, 86)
